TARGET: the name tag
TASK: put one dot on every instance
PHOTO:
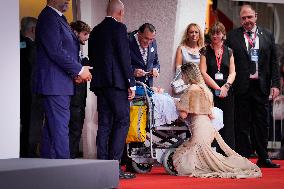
(219, 76)
(254, 55)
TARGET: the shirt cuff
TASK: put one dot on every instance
(82, 69)
(133, 88)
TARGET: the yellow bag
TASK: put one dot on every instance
(138, 122)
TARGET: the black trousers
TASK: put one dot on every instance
(252, 119)
(36, 125)
(77, 116)
(227, 106)
(113, 122)
(25, 110)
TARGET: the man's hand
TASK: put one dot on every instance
(86, 75)
(78, 80)
(139, 73)
(131, 94)
(155, 72)
(274, 92)
(182, 114)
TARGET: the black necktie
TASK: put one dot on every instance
(249, 33)
(252, 66)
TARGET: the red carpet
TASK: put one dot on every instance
(159, 179)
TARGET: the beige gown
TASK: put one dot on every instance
(195, 157)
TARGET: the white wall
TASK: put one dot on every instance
(188, 11)
(170, 17)
(10, 80)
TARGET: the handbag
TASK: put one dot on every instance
(178, 85)
(138, 123)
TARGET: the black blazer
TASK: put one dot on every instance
(137, 61)
(268, 67)
(109, 55)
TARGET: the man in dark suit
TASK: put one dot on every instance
(78, 101)
(144, 55)
(113, 82)
(27, 60)
(257, 76)
(57, 66)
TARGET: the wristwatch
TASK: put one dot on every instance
(228, 85)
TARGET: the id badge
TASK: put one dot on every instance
(217, 92)
(254, 55)
(219, 76)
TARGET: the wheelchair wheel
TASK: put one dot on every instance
(138, 167)
(168, 161)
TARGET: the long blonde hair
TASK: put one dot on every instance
(185, 38)
(192, 75)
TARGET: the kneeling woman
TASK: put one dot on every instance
(195, 157)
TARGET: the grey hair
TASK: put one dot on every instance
(27, 23)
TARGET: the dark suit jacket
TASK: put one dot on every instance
(137, 61)
(57, 61)
(268, 67)
(27, 60)
(109, 55)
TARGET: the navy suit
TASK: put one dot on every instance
(137, 61)
(57, 63)
(112, 76)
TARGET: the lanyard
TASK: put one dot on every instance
(219, 59)
(251, 40)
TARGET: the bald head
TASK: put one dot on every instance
(248, 17)
(115, 9)
(245, 8)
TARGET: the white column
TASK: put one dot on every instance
(92, 12)
(10, 80)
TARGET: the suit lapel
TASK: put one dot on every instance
(149, 56)
(67, 26)
(261, 39)
(137, 51)
(242, 41)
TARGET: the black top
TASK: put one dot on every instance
(211, 63)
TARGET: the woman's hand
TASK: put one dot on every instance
(211, 116)
(183, 114)
(223, 92)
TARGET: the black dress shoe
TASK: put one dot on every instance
(266, 163)
(124, 175)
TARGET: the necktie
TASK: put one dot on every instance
(144, 56)
(249, 33)
(252, 66)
